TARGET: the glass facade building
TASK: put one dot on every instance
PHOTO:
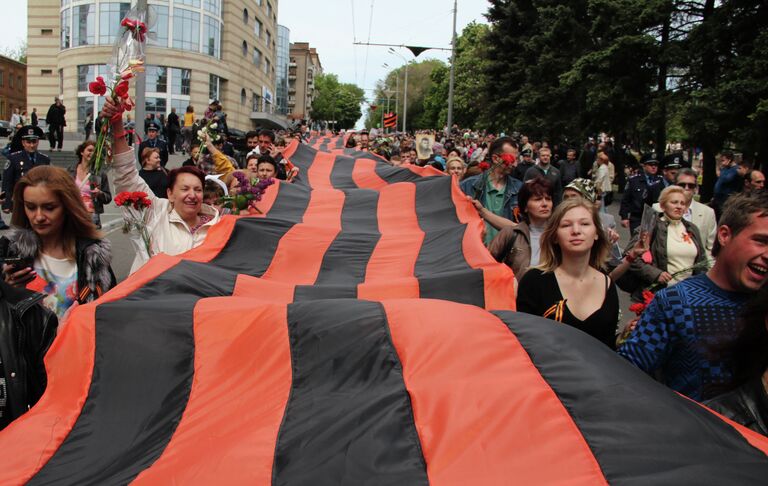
(191, 57)
(282, 57)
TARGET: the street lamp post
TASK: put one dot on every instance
(405, 94)
(453, 65)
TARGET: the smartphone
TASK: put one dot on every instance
(17, 263)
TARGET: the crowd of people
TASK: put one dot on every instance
(693, 269)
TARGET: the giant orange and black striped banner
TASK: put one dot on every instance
(344, 337)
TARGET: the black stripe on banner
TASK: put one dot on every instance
(253, 241)
(441, 268)
(346, 259)
(341, 174)
(142, 377)
(339, 143)
(640, 431)
(324, 144)
(349, 418)
(303, 158)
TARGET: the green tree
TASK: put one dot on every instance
(469, 84)
(419, 83)
(335, 101)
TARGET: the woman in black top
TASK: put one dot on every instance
(153, 173)
(568, 286)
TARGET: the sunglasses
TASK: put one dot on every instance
(687, 185)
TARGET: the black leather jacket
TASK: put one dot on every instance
(27, 330)
(746, 405)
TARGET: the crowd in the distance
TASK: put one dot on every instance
(692, 268)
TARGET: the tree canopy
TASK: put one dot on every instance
(335, 101)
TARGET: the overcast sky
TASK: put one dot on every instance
(331, 27)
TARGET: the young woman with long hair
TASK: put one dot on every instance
(94, 194)
(60, 251)
(569, 284)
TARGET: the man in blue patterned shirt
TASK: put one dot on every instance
(685, 333)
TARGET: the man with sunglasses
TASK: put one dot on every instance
(701, 215)
(641, 189)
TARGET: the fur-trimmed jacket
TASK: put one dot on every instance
(93, 257)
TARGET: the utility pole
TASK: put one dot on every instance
(405, 98)
(453, 68)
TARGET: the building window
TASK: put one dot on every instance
(64, 3)
(258, 2)
(1, 79)
(269, 39)
(212, 37)
(245, 16)
(110, 15)
(243, 97)
(161, 27)
(65, 25)
(214, 82)
(213, 6)
(257, 57)
(256, 103)
(10, 81)
(245, 48)
(186, 29)
(267, 66)
(269, 9)
(46, 72)
(189, 3)
(84, 30)
(156, 106)
(86, 74)
(257, 29)
(180, 81)
(20, 84)
(157, 79)
(46, 31)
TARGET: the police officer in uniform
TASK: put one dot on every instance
(20, 162)
(641, 189)
(153, 141)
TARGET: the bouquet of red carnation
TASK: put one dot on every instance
(127, 61)
(639, 307)
(134, 207)
(247, 195)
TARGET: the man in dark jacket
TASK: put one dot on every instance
(569, 167)
(21, 161)
(56, 123)
(641, 189)
(173, 129)
(153, 141)
(27, 330)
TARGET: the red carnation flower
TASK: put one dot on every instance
(637, 308)
(98, 87)
(647, 296)
(121, 90)
(484, 165)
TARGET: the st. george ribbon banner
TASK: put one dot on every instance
(356, 332)
(390, 120)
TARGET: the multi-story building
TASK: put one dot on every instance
(303, 66)
(197, 51)
(13, 87)
(282, 55)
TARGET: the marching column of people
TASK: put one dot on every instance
(544, 207)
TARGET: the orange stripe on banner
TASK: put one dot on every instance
(425, 171)
(498, 278)
(319, 173)
(31, 440)
(390, 270)
(290, 149)
(364, 175)
(238, 397)
(297, 262)
(36, 435)
(488, 418)
(263, 290)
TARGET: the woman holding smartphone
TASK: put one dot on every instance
(59, 251)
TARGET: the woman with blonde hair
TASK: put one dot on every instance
(569, 284)
(59, 251)
(675, 245)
